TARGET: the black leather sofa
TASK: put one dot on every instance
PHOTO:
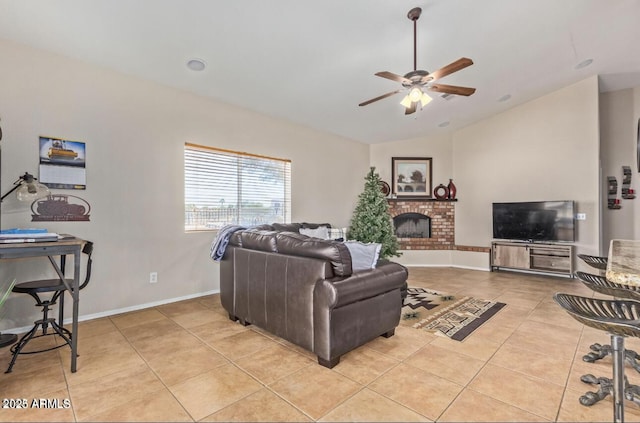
(303, 289)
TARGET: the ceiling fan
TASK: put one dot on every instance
(419, 81)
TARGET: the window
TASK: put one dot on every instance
(223, 187)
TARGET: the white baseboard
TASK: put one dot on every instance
(107, 313)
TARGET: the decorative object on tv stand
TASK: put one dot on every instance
(612, 191)
(371, 220)
(441, 192)
(627, 192)
(411, 177)
(452, 190)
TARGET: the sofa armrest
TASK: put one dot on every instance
(362, 285)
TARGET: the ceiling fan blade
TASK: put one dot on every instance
(449, 69)
(364, 103)
(412, 109)
(452, 89)
(393, 77)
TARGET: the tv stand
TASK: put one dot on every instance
(536, 257)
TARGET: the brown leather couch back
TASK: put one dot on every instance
(301, 245)
(295, 244)
(259, 240)
(272, 291)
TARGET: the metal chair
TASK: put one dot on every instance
(603, 286)
(58, 288)
(619, 318)
(599, 263)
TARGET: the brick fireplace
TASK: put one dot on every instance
(442, 221)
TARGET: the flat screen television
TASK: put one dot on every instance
(551, 221)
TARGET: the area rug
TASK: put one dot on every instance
(446, 315)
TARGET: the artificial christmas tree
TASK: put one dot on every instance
(371, 221)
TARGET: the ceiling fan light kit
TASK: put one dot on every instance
(419, 81)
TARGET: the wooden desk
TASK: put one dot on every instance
(623, 263)
(64, 246)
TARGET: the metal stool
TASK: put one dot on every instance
(58, 288)
(619, 319)
(602, 285)
(599, 263)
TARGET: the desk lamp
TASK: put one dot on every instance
(29, 189)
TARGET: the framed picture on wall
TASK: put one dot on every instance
(411, 177)
(62, 163)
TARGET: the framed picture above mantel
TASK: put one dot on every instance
(411, 177)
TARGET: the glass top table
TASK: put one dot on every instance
(623, 264)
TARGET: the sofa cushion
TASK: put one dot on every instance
(263, 227)
(254, 239)
(363, 256)
(321, 232)
(314, 225)
(286, 227)
(300, 245)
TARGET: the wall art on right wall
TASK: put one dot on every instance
(612, 193)
(627, 192)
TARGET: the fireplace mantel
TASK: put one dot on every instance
(419, 200)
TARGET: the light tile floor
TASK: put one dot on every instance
(187, 361)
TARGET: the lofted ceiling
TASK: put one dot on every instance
(313, 62)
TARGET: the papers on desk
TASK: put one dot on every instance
(6, 238)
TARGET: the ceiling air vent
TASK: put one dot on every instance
(447, 96)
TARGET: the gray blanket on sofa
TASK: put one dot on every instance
(219, 244)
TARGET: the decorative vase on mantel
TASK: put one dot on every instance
(441, 192)
(452, 190)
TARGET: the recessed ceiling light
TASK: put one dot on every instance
(196, 65)
(583, 64)
(444, 124)
(504, 98)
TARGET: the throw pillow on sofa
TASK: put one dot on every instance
(363, 256)
(321, 232)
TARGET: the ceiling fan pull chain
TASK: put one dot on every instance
(415, 54)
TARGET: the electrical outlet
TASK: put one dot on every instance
(153, 277)
(581, 216)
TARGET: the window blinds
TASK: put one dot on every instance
(224, 187)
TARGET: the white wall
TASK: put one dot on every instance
(635, 154)
(135, 133)
(438, 147)
(546, 149)
(619, 113)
